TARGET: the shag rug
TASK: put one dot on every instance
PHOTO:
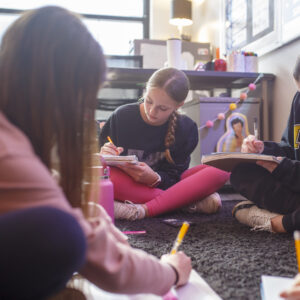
(228, 255)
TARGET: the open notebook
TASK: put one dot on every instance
(195, 289)
(228, 160)
(272, 286)
(115, 160)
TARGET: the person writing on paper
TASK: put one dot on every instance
(51, 69)
(163, 141)
(273, 189)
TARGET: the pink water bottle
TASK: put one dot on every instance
(106, 198)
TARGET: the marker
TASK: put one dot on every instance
(109, 139)
(135, 232)
(185, 226)
(297, 245)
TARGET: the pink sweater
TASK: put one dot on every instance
(110, 263)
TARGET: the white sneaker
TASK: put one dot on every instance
(246, 212)
(128, 210)
(208, 205)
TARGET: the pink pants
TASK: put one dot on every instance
(196, 183)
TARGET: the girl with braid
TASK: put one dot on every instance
(163, 141)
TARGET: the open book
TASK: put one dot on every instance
(272, 286)
(196, 288)
(115, 160)
(228, 160)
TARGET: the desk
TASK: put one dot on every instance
(203, 80)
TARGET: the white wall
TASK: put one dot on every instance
(205, 26)
(160, 29)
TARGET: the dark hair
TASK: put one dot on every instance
(50, 71)
(296, 72)
(176, 85)
(236, 121)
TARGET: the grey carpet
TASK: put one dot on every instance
(229, 256)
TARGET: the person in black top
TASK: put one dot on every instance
(163, 141)
(274, 190)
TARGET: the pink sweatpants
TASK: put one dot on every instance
(196, 183)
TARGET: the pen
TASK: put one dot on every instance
(185, 226)
(109, 139)
(297, 245)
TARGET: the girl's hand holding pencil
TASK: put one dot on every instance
(252, 145)
(181, 263)
(178, 260)
(110, 148)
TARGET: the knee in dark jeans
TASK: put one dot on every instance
(237, 174)
(63, 231)
(48, 242)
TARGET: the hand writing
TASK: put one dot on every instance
(181, 263)
(110, 149)
(252, 145)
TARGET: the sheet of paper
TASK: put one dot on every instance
(195, 289)
(272, 286)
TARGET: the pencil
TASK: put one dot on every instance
(109, 139)
(185, 226)
(255, 128)
(297, 245)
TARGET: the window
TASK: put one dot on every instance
(114, 23)
(259, 25)
(247, 21)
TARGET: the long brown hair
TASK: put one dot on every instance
(50, 71)
(176, 85)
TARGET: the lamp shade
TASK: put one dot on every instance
(181, 13)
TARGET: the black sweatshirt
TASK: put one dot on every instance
(127, 129)
(288, 171)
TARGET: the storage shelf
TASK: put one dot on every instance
(200, 80)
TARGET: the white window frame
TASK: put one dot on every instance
(271, 41)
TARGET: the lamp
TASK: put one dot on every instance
(181, 14)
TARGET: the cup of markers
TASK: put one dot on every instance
(242, 61)
(251, 62)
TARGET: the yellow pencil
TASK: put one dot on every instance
(109, 139)
(297, 245)
(185, 226)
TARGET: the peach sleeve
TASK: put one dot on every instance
(111, 263)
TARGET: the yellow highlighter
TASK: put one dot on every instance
(297, 245)
(185, 226)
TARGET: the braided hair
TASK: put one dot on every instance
(176, 85)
